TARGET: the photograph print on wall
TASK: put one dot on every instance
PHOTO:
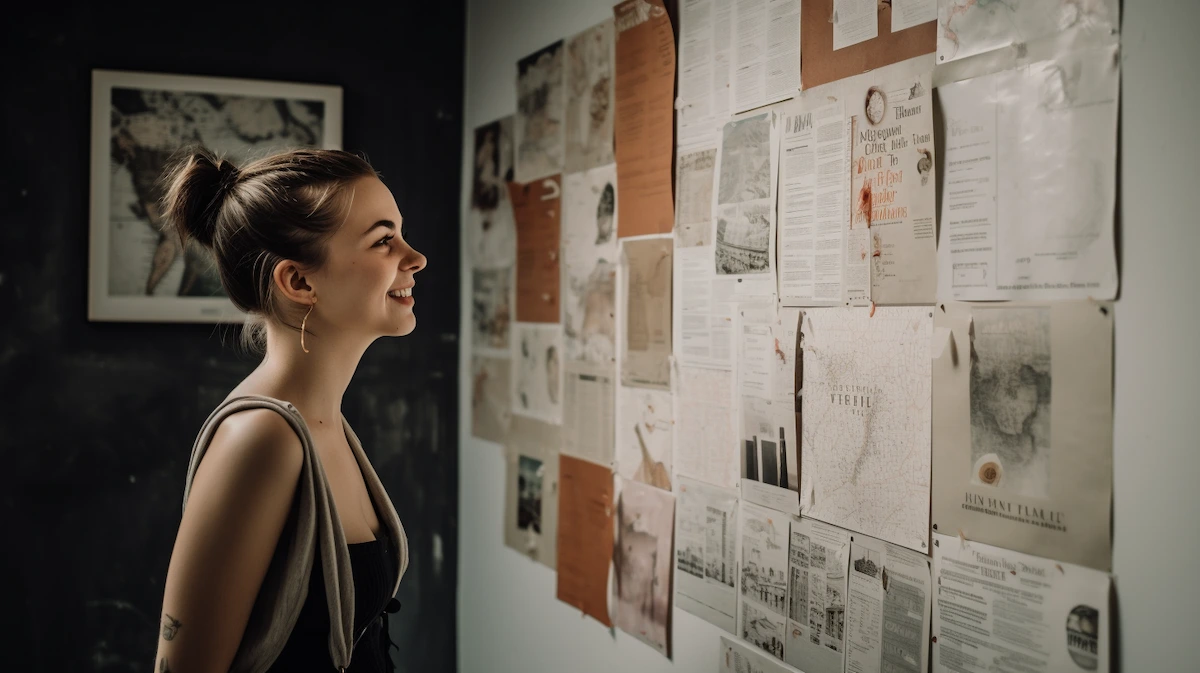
(139, 271)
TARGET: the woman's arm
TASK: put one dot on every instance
(239, 502)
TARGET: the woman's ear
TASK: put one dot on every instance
(291, 283)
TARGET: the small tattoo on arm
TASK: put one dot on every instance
(162, 666)
(170, 627)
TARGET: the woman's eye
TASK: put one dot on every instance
(385, 240)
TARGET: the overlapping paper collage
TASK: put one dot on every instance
(847, 339)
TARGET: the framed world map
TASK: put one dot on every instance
(138, 270)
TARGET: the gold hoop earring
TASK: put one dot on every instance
(303, 323)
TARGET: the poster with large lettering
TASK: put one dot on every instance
(1022, 438)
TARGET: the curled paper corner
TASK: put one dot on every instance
(941, 337)
(680, 103)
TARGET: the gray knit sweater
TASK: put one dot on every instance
(312, 525)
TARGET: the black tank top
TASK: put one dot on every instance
(307, 648)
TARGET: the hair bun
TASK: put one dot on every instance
(197, 184)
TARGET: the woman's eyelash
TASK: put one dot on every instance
(385, 239)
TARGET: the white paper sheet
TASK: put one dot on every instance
(744, 207)
(645, 446)
(993, 604)
(537, 375)
(767, 447)
(817, 567)
(706, 552)
(706, 426)
(887, 608)
(969, 27)
(703, 98)
(736, 657)
(766, 53)
(854, 21)
(763, 569)
(703, 324)
(1023, 432)
(893, 181)
(909, 13)
(539, 128)
(1030, 185)
(695, 176)
(589, 258)
(590, 98)
(866, 421)
(814, 204)
(589, 412)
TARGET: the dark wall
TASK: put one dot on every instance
(97, 420)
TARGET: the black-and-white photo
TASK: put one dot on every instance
(718, 545)
(529, 494)
(139, 122)
(763, 629)
(492, 228)
(867, 562)
(541, 109)
(1010, 400)
(745, 160)
(744, 239)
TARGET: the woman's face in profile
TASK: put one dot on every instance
(367, 259)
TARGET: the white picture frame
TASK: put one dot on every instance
(138, 120)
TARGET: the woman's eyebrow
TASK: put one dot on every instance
(382, 223)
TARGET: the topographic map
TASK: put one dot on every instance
(866, 421)
(969, 27)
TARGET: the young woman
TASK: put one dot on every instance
(289, 548)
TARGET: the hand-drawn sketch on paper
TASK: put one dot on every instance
(1010, 400)
(531, 499)
(694, 187)
(493, 233)
(818, 559)
(762, 628)
(1031, 154)
(644, 436)
(763, 576)
(491, 312)
(866, 414)
(745, 160)
(589, 266)
(541, 110)
(537, 382)
(590, 104)
(743, 239)
(646, 310)
(969, 27)
(585, 536)
(491, 397)
(736, 657)
(643, 558)
(705, 544)
(1022, 435)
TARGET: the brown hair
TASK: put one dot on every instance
(284, 206)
